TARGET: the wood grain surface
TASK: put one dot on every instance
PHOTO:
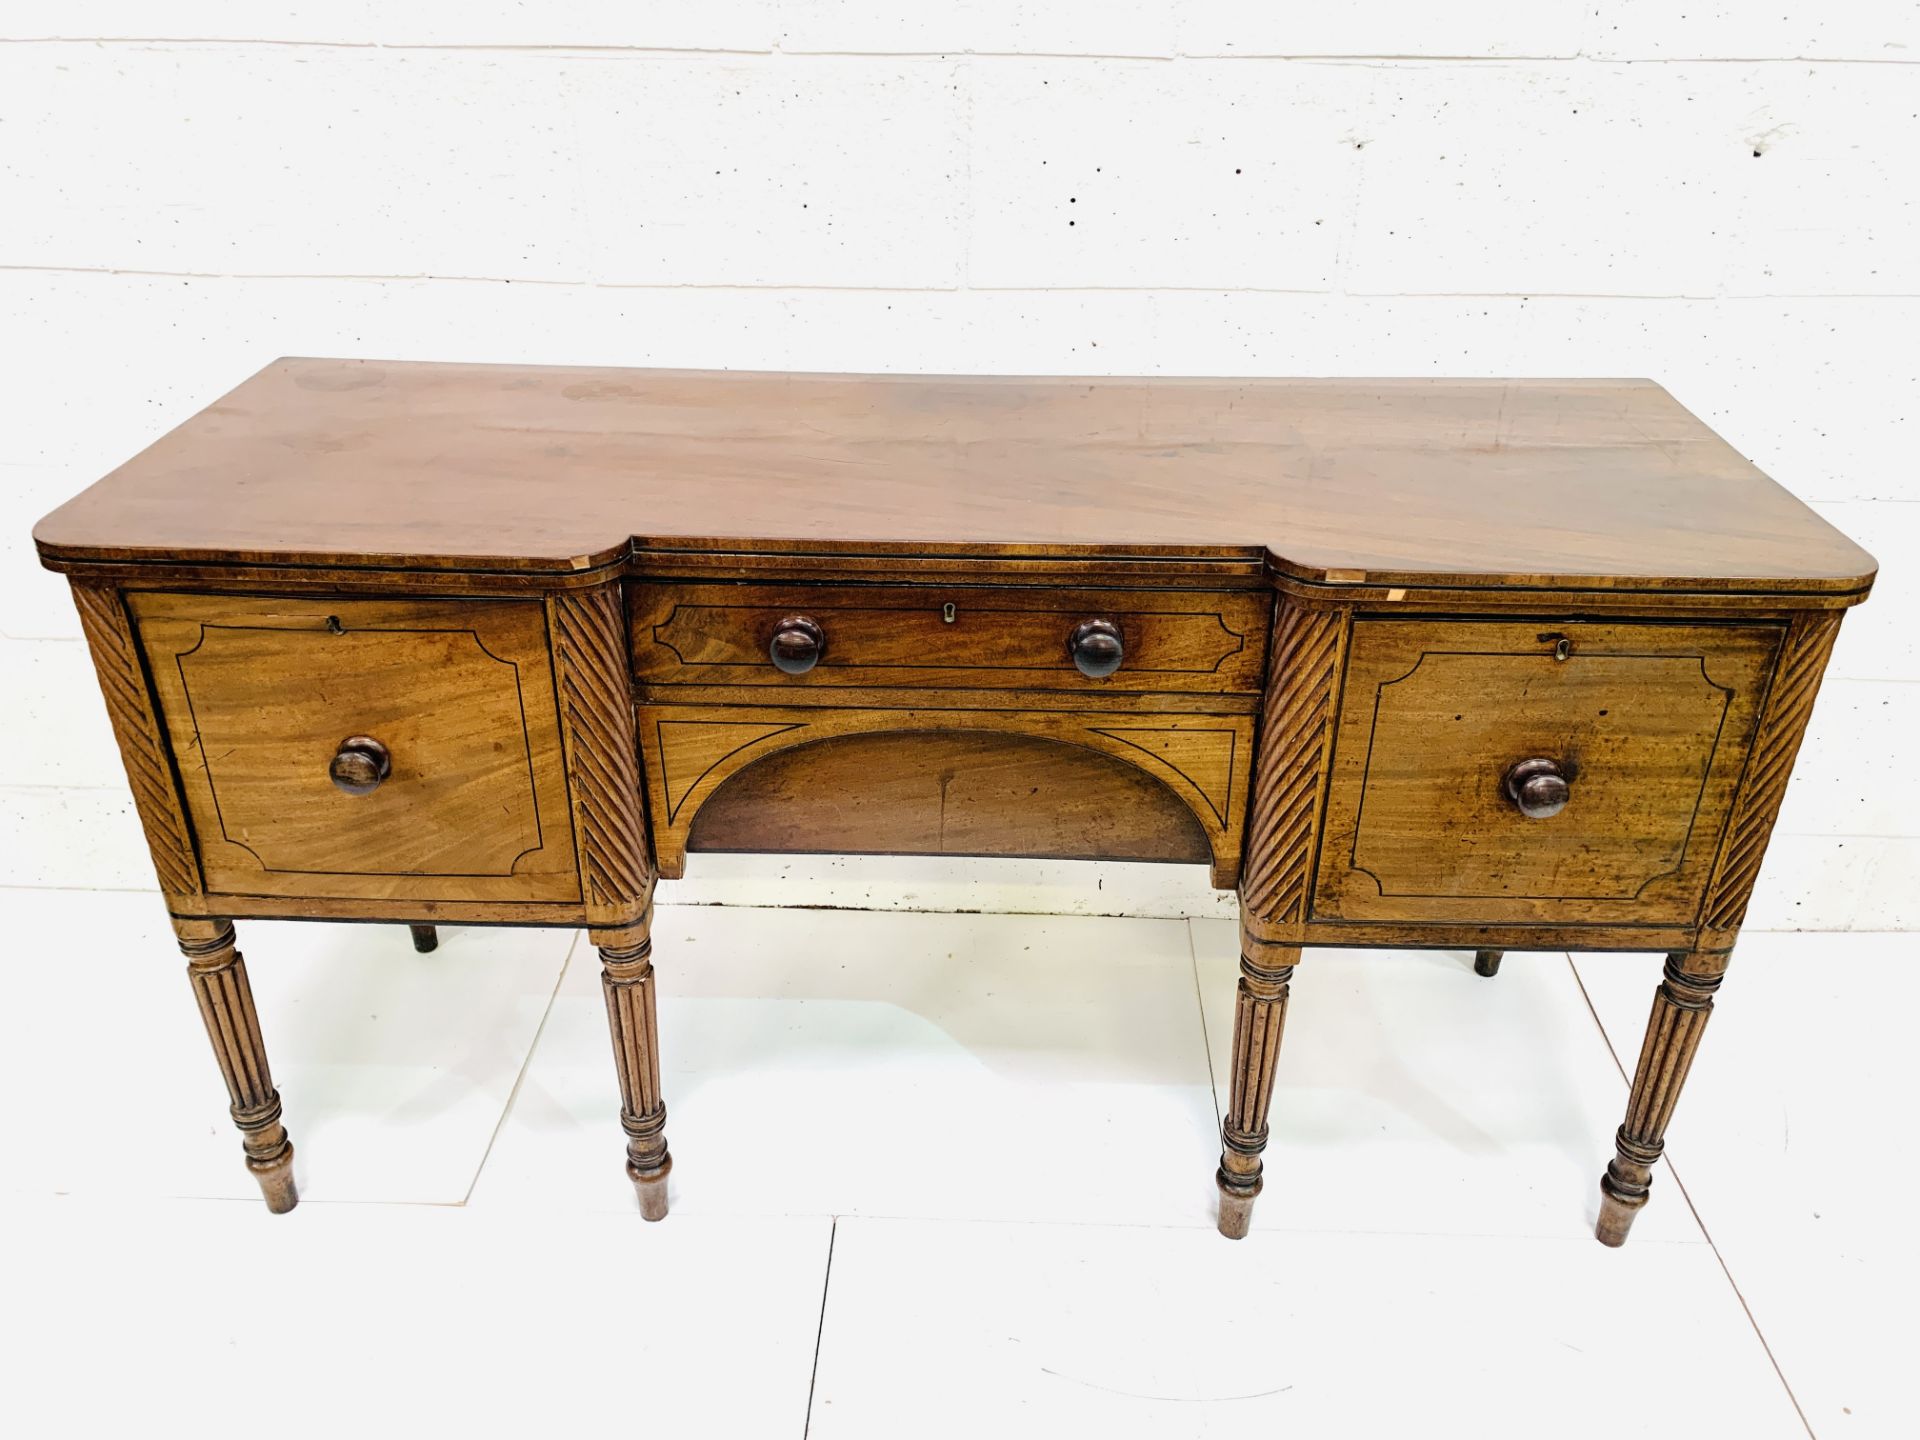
(603, 759)
(1650, 723)
(691, 752)
(257, 695)
(1296, 738)
(1803, 663)
(1681, 1008)
(1558, 484)
(427, 643)
(221, 988)
(138, 730)
(992, 637)
(949, 794)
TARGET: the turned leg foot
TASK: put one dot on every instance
(626, 959)
(1259, 1018)
(219, 978)
(1487, 962)
(1624, 1189)
(1236, 1208)
(1680, 1009)
(651, 1186)
(425, 938)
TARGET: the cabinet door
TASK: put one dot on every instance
(1646, 726)
(455, 700)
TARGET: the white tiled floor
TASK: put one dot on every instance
(1174, 1332)
(1794, 1143)
(216, 1319)
(836, 1063)
(1494, 1100)
(944, 1174)
(394, 1067)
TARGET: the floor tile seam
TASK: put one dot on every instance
(1686, 1195)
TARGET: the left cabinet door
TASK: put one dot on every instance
(393, 749)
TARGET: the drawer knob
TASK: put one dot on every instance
(1538, 788)
(1096, 647)
(798, 643)
(360, 765)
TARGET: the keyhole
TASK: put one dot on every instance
(947, 612)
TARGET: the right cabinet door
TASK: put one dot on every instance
(1555, 771)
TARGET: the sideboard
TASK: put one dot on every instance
(1476, 664)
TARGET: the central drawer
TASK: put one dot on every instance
(952, 637)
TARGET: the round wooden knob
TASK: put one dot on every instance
(1538, 788)
(1096, 647)
(798, 643)
(360, 765)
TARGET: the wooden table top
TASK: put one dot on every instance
(1565, 483)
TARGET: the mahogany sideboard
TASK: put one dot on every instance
(1476, 664)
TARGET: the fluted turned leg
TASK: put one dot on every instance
(219, 977)
(1680, 1009)
(1259, 1018)
(1487, 962)
(626, 959)
(425, 938)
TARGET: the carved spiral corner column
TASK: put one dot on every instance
(1685, 998)
(1290, 769)
(219, 977)
(626, 976)
(1796, 683)
(1680, 1009)
(616, 863)
(1259, 1021)
(603, 756)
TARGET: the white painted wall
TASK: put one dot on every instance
(1724, 200)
